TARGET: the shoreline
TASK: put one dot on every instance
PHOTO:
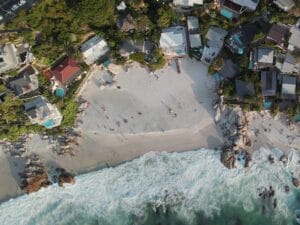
(109, 142)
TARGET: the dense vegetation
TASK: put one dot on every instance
(54, 28)
(57, 27)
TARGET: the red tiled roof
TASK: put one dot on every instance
(66, 70)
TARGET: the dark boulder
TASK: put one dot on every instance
(228, 159)
(65, 178)
(296, 182)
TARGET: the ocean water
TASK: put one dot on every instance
(191, 188)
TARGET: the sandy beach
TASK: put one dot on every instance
(140, 112)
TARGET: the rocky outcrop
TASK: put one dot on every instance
(233, 124)
(35, 176)
(228, 158)
(296, 182)
(65, 178)
(248, 159)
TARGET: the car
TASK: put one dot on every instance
(15, 7)
(22, 2)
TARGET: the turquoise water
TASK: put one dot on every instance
(49, 123)
(60, 92)
(226, 13)
(191, 188)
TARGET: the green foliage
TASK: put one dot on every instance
(138, 57)
(228, 89)
(54, 27)
(259, 36)
(157, 61)
(164, 17)
(94, 12)
(44, 87)
(13, 121)
(69, 112)
(2, 88)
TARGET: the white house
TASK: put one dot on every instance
(194, 32)
(8, 57)
(93, 49)
(294, 41)
(187, 3)
(43, 113)
(285, 5)
(173, 41)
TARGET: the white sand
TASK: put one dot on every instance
(143, 102)
(8, 175)
(273, 132)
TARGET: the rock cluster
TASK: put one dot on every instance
(269, 202)
(234, 125)
(228, 158)
(296, 182)
(65, 178)
(35, 176)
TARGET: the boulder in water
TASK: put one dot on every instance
(228, 159)
(65, 178)
(296, 182)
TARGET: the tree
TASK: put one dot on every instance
(11, 109)
(164, 17)
(94, 12)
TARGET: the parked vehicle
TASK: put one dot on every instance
(22, 2)
(15, 7)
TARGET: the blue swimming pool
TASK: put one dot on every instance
(49, 123)
(226, 13)
(60, 92)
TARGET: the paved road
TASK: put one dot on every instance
(6, 12)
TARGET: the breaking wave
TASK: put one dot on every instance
(166, 188)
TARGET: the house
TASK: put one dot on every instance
(43, 113)
(126, 23)
(285, 5)
(268, 83)
(240, 39)
(289, 64)
(261, 57)
(214, 43)
(25, 82)
(294, 42)
(93, 49)
(130, 46)
(288, 90)
(173, 41)
(64, 71)
(233, 8)
(194, 32)
(229, 69)
(24, 54)
(244, 88)
(8, 57)
(187, 3)
(278, 34)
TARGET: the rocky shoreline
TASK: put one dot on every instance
(36, 176)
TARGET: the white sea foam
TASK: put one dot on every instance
(191, 181)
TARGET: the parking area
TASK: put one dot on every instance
(10, 8)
